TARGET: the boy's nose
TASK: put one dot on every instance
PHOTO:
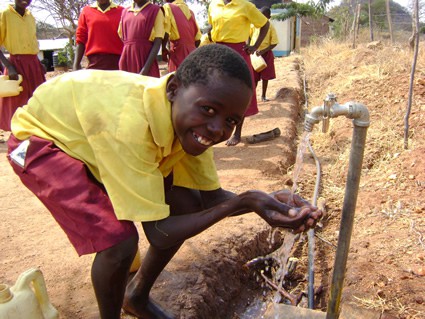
(216, 128)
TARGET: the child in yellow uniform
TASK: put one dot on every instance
(101, 150)
(182, 34)
(230, 21)
(18, 36)
(265, 50)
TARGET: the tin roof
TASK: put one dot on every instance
(50, 45)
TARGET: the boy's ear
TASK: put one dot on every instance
(172, 88)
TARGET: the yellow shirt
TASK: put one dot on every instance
(124, 135)
(231, 22)
(111, 5)
(158, 26)
(170, 22)
(270, 39)
(18, 33)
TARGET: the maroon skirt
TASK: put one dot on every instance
(32, 71)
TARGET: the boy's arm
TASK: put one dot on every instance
(175, 229)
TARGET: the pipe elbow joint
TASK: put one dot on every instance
(359, 113)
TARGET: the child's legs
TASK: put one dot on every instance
(82, 208)
(109, 275)
(182, 201)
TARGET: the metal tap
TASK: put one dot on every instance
(330, 108)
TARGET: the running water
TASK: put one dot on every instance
(282, 254)
(299, 162)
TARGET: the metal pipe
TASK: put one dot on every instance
(347, 218)
(310, 233)
(360, 115)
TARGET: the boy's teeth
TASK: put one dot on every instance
(203, 141)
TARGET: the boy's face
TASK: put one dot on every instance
(206, 115)
(22, 3)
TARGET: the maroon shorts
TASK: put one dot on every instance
(77, 201)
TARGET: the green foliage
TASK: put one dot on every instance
(62, 58)
(293, 9)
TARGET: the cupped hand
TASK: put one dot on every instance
(282, 209)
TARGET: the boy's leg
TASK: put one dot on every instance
(82, 208)
(109, 276)
(136, 299)
(181, 201)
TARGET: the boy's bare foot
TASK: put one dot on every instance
(149, 311)
(234, 140)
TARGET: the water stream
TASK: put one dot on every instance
(282, 254)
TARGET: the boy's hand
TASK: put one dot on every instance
(299, 205)
(281, 209)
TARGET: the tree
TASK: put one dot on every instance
(65, 12)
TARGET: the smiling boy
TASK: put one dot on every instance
(103, 150)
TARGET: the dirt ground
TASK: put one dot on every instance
(206, 279)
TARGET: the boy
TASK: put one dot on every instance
(265, 50)
(116, 155)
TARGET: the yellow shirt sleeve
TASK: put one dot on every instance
(170, 21)
(270, 38)
(124, 136)
(158, 27)
(18, 33)
(231, 22)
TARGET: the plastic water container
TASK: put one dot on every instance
(10, 87)
(27, 299)
(258, 62)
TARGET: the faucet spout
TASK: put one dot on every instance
(330, 109)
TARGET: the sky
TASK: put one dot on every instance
(40, 16)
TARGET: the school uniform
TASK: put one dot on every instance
(98, 31)
(138, 29)
(269, 72)
(183, 32)
(231, 26)
(18, 36)
(105, 155)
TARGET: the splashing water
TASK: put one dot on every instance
(282, 254)
(299, 162)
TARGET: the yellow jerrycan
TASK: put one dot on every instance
(10, 87)
(27, 299)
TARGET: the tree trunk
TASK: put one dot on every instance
(355, 25)
(370, 20)
(412, 76)
(390, 24)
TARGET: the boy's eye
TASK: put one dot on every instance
(208, 109)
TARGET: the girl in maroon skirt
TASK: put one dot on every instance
(20, 41)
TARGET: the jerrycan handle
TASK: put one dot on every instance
(35, 276)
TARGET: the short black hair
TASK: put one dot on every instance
(211, 60)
